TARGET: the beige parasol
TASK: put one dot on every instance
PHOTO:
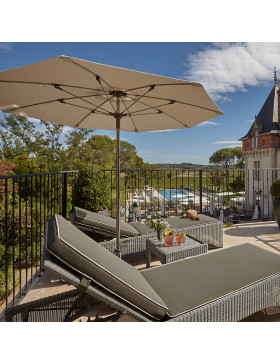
(84, 94)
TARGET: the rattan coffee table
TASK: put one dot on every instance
(189, 248)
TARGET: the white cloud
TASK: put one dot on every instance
(230, 142)
(208, 123)
(229, 67)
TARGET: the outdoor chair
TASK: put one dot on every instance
(135, 234)
(224, 285)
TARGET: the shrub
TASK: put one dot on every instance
(275, 189)
(90, 190)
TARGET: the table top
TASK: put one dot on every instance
(189, 243)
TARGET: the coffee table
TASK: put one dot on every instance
(189, 248)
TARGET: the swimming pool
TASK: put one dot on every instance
(175, 195)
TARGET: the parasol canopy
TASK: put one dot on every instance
(83, 94)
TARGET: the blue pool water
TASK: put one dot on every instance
(175, 194)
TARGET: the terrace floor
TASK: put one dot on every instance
(263, 234)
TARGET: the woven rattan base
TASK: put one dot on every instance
(64, 307)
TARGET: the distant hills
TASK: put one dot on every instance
(179, 166)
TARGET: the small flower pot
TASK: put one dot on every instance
(168, 240)
(159, 235)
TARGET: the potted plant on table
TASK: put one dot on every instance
(157, 223)
(275, 193)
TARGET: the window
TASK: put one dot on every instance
(263, 142)
(257, 170)
(255, 142)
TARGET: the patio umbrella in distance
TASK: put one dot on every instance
(84, 94)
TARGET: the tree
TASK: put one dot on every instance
(20, 137)
(26, 165)
(35, 149)
(223, 157)
(128, 155)
(101, 151)
(239, 157)
(90, 190)
(75, 152)
(52, 135)
(227, 157)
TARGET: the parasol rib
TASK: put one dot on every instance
(140, 97)
(87, 69)
(109, 99)
(149, 108)
(135, 128)
(79, 123)
(180, 102)
(166, 84)
(82, 98)
(163, 112)
(93, 111)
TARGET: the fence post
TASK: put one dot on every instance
(64, 196)
(200, 190)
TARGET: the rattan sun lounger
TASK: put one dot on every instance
(224, 285)
(134, 235)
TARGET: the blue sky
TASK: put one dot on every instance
(238, 76)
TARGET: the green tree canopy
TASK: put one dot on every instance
(239, 157)
(228, 157)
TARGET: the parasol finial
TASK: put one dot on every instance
(275, 76)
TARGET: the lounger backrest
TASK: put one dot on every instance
(93, 261)
(101, 223)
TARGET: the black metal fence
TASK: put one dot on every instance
(26, 204)
(28, 201)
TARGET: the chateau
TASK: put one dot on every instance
(261, 146)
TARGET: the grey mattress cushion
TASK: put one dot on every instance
(189, 283)
(101, 222)
(142, 228)
(83, 254)
(174, 222)
(179, 222)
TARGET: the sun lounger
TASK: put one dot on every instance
(224, 285)
(134, 235)
(100, 224)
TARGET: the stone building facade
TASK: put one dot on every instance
(261, 146)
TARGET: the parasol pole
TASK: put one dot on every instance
(118, 122)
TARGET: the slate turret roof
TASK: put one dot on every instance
(267, 118)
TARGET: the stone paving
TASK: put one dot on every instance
(264, 234)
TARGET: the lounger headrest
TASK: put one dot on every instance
(102, 223)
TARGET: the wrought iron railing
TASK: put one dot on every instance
(28, 201)
(26, 204)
